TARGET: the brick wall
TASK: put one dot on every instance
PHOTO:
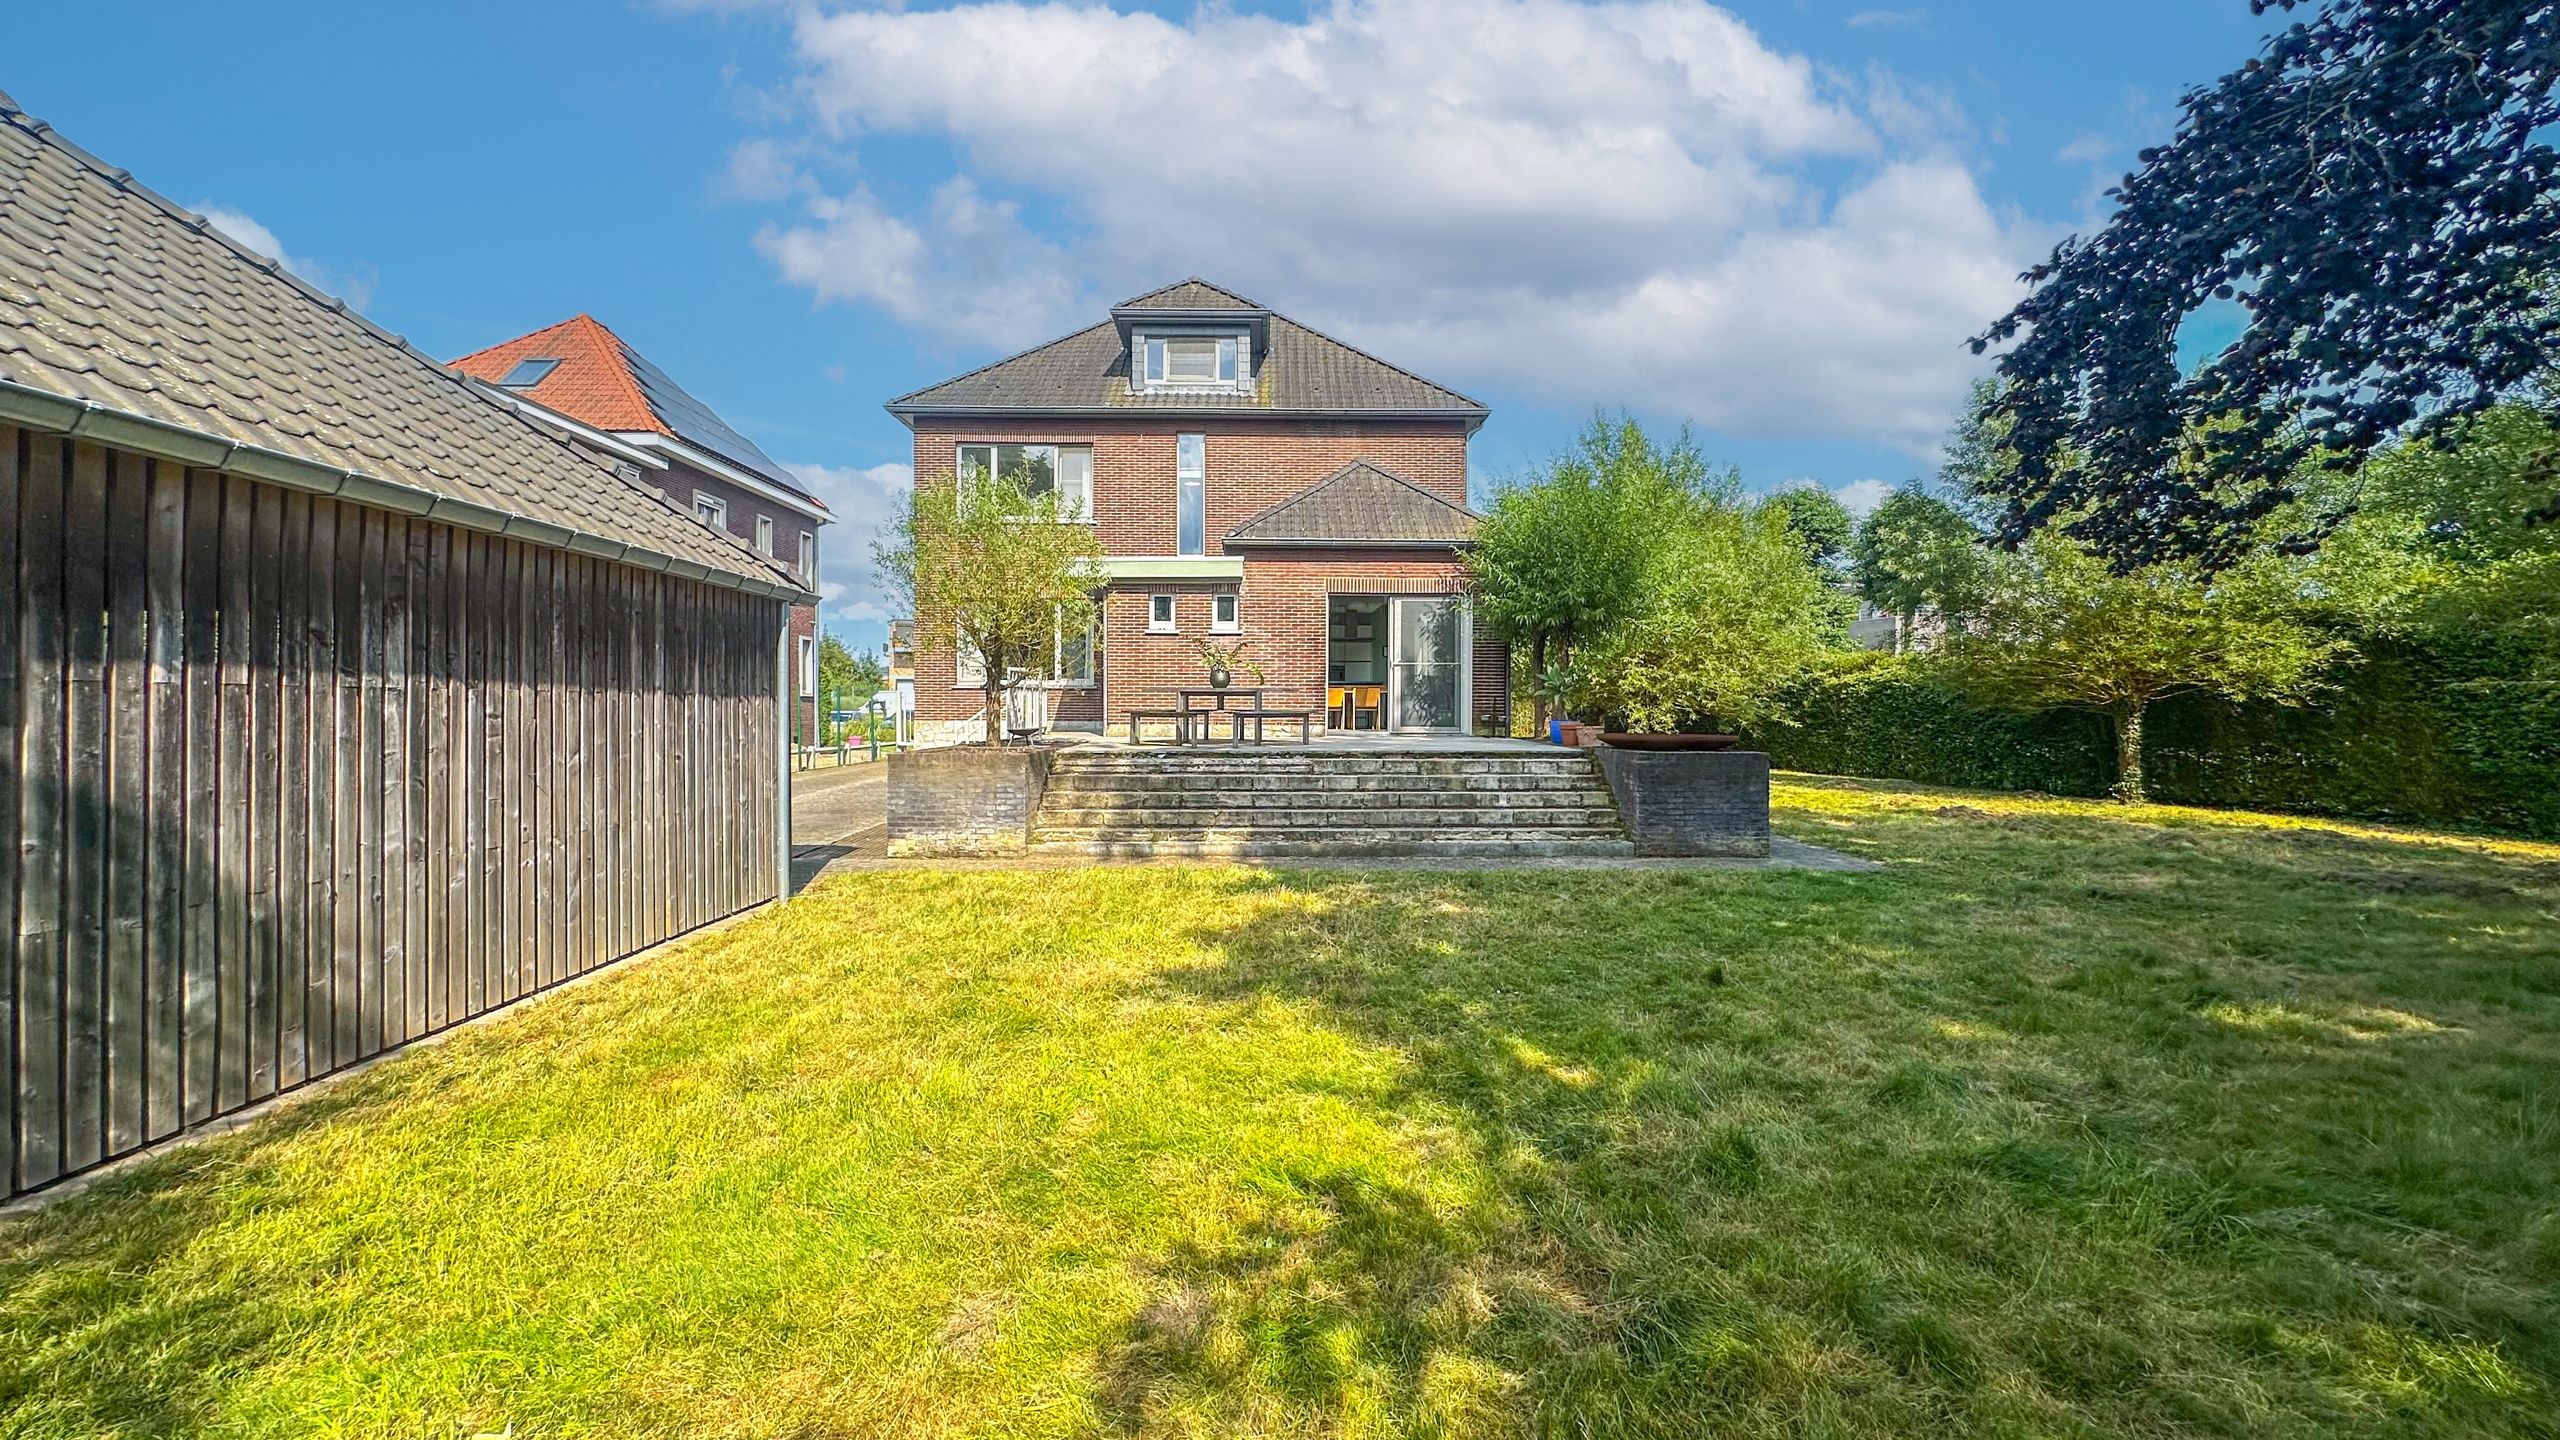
(1691, 802)
(964, 801)
(1253, 463)
(682, 482)
(1281, 611)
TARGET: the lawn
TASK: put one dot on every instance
(2075, 1120)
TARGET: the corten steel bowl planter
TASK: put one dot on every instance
(1652, 740)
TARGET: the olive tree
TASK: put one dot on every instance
(996, 569)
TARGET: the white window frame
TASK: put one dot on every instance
(1072, 481)
(808, 554)
(1229, 601)
(808, 667)
(711, 510)
(1230, 364)
(764, 533)
(1171, 621)
(968, 672)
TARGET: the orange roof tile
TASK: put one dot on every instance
(592, 384)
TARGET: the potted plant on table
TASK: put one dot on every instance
(1222, 662)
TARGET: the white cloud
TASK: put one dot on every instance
(1858, 497)
(1862, 496)
(1632, 202)
(865, 501)
(353, 286)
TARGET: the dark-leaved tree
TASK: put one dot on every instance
(2377, 195)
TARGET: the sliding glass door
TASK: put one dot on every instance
(1427, 647)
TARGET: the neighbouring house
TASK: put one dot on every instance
(1247, 478)
(581, 378)
(902, 673)
(341, 703)
(1878, 629)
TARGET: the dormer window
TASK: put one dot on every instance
(1192, 362)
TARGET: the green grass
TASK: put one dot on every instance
(2077, 1120)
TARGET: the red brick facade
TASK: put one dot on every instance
(743, 508)
(1252, 464)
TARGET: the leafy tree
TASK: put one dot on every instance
(997, 569)
(2060, 626)
(2443, 550)
(2377, 195)
(1821, 523)
(847, 679)
(1916, 552)
(1731, 608)
(1566, 554)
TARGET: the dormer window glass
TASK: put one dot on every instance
(1191, 362)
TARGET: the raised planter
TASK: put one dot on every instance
(965, 799)
(1691, 802)
(1659, 740)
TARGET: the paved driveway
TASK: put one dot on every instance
(836, 815)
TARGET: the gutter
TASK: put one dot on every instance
(42, 410)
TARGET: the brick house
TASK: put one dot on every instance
(1247, 478)
(581, 379)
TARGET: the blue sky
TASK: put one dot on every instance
(1776, 220)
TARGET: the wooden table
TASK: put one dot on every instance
(1203, 712)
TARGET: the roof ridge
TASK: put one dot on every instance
(1361, 463)
(621, 352)
(1376, 360)
(520, 339)
(1000, 360)
(1137, 301)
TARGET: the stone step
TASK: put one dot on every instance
(1085, 782)
(1506, 797)
(1330, 821)
(1383, 846)
(1284, 763)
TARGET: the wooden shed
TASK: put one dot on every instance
(342, 704)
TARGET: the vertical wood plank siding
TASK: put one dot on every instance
(287, 781)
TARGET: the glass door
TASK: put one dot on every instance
(1427, 663)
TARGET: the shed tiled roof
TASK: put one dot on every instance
(603, 382)
(1303, 371)
(1360, 504)
(113, 298)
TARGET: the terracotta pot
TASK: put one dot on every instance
(1656, 741)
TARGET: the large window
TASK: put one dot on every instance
(1068, 665)
(1038, 469)
(1191, 494)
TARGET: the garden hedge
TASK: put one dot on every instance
(2404, 735)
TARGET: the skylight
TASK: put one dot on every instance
(529, 373)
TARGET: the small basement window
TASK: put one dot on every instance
(1222, 612)
(1160, 615)
(529, 373)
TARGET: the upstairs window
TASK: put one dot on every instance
(1191, 362)
(764, 533)
(1038, 469)
(1191, 494)
(808, 560)
(713, 510)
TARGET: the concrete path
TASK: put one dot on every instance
(836, 816)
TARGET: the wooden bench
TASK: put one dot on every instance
(1181, 723)
(1305, 719)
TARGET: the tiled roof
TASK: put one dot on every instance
(113, 298)
(1360, 504)
(1303, 371)
(1192, 294)
(603, 382)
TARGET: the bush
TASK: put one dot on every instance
(2405, 735)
